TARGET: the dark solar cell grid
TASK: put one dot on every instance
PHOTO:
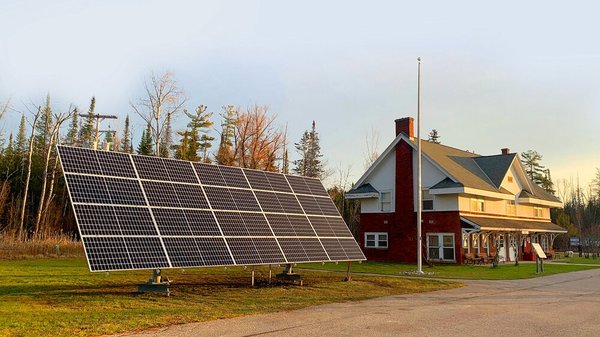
(278, 182)
(171, 222)
(201, 222)
(281, 225)
(258, 180)
(309, 204)
(244, 200)
(293, 250)
(97, 220)
(214, 251)
(256, 224)
(316, 187)
(115, 164)
(125, 191)
(234, 177)
(88, 189)
(135, 221)
(106, 253)
(190, 196)
(269, 202)
(231, 224)
(314, 250)
(209, 174)
(321, 226)
(151, 168)
(289, 203)
(220, 198)
(183, 252)
(160, 194)
(78, 160)
(298, 184)
(243, 250)
(268, 250)
(334, 249)
(146, 252)
(179, 171)
(326, 206)
(301, 225)
(352, 249)
(339, 227)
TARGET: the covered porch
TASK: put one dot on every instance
(510, 239)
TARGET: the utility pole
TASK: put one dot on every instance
(419, 183)
(98, 118)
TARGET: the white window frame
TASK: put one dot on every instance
(377, 240)
(426, 196)
(477, 202)
(441, 247)
(540, 210)
(381, 202)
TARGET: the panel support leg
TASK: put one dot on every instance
(270, 274)
(253, 276)
(349, 272)
(156, 284)
(288, 275)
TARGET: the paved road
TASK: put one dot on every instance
(558, 305)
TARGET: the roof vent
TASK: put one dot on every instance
(505, 151)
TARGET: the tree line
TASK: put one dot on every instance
(33, 198)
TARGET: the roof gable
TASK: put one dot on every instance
(495, 167)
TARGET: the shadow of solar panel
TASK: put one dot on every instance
(321, 226)
(106, 253)
(146, 252)
(351, 249)
(214, 251)
(258, 180)
(171, 222)
(244, 200)
(298, 184)
(309, 204)
(97, 220)
(151, 168)
(233, 176)
(278, 182)
(301, 225)
(160, 194)
(88, 189)
(269, 202)
(256, 224)
(268, 250)
(220, 198)
(316, 187)
(201, 222)
(243, 250)
(334, 249)
(314, 250)
(231, 224)
(292, 249)
(327, 206)
(180, 171)
(209, 174)
(115, 164)
(281, 225)
(125, 191)
(289, 203)
(183, 252)
(190, 196)
(339, 227)
(135, 221)
(78, 160)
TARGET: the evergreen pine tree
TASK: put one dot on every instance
(21, 142)
(146, 143)
(73, 133)
(225, 155)
(309, 164)
(434, 136)
(87, 134)
(109, 140)
(43, 129)
(126, 141)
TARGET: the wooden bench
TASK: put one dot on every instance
(471, 259)
(485, 257)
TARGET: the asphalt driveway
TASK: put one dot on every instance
(558, 305)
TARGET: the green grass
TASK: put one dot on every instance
(577, 259)
(60, 297)
(506, 271)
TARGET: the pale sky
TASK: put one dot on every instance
(522, 74)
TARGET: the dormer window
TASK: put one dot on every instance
(385, 199)
(511, 209)
(477, 205)
(510, 179)
(538, 212)
(427, 201)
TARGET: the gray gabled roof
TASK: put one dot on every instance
(495, 167)
(446, 183)
(363, 189)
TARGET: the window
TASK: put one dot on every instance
(538, 212)
(376, 240)
(510, 179)
(427, 201)
(510, 207)
(440, 246)
(477, 205)
(485, 244)
(476, 243)
(386, 201)
(544, 243)
(465, 243)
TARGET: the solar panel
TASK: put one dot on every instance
(140, 212)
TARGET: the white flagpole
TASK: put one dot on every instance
(419, 187)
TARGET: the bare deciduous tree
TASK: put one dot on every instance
(372, 144)
(162, 101)
(26, 189)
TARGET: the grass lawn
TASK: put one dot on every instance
(60, 297)
(577, 259)
(506, 271)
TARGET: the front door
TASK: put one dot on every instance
(501, 248)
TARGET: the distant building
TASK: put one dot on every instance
(471, 203)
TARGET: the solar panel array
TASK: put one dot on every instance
(141, 212)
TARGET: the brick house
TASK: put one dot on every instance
(472, 204)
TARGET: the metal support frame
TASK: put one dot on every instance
(288, 275)
(349, 272)
(156, 284)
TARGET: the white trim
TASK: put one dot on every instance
(380, 202)
(473, 191)
(370, 195)
(377, 239)
(536, 201)
(441, 247)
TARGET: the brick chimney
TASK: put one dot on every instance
(505, 151)
(405, 125)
